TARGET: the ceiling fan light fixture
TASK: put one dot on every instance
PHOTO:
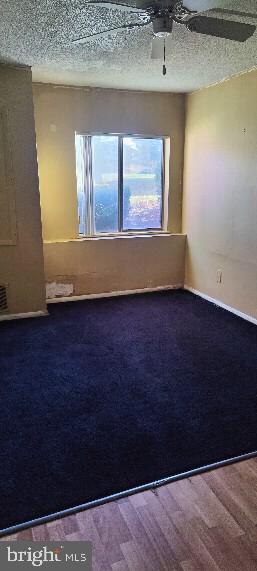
(162, 27)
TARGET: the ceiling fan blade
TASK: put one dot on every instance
(157, 48)
(113, 5)
(111, 31)
(227, 12)
(221, 28)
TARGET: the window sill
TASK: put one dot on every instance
(122, 236)
(115, 235)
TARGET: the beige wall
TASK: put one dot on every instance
(111, 264)
(116, 264)
(59, 112)
(220, 192)
(21, 252)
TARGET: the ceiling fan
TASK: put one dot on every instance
(164, 13)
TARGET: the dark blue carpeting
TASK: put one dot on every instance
(105, 395)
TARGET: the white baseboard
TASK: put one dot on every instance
(112, 293)
(223, 305)
(11, 316)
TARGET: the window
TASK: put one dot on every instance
(120, 183)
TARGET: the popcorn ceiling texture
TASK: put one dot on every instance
(39, 33)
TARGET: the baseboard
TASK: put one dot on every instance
(112, 293)
(223, 305)
(11, 316)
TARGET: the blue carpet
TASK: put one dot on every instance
(105, 395)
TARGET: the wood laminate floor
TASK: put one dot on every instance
(205, 522)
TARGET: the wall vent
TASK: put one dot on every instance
(3, 298)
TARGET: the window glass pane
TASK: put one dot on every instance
(105, 183)
(142, 183)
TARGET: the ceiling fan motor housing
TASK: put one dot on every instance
(162, 26)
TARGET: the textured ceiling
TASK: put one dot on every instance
(39, 33)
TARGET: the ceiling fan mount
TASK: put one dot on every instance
(162, 26)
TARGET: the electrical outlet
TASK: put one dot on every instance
(219, 276)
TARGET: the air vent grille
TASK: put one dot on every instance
(3, 298)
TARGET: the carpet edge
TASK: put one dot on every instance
(144, 487)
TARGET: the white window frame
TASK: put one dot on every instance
(88, 185)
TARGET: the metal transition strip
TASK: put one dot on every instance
(94, 503)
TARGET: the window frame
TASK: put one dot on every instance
(89, 194)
